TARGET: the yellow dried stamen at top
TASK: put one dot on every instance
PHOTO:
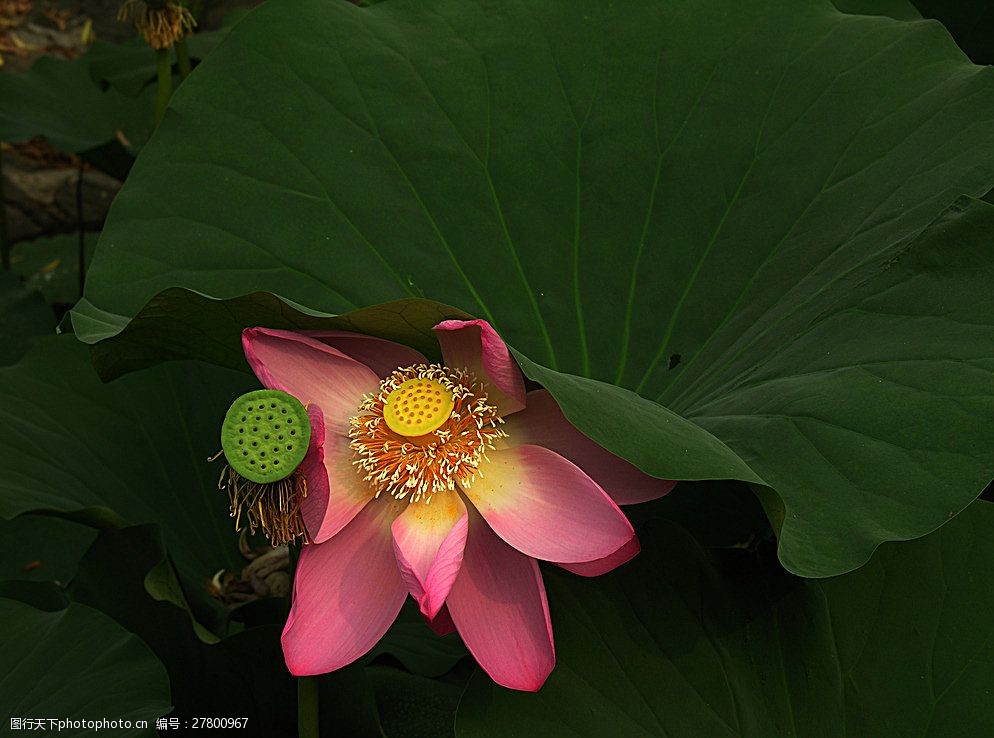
(160, 27)
(418, 406)
(445, 442)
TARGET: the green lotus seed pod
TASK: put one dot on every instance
(265, 435)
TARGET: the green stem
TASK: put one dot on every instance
(307, 707)
(307, 687)
(183, 58)
(4, 243)
(165, 69)
(80, 221)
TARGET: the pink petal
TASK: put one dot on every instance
(310, 371)
(602, 566)
(330, 509)
(474, 345)
(542, 423)
(316, 416)
(499, 607)
(428, 540)
(546, 507)
(382, 356)
(346, 593)
(442, 623)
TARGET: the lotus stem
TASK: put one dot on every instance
(4, 242)
(307, 707)
(183, 58)
(80, 223)
(165, 70)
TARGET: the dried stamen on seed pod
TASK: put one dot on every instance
(427, 429)
(264, 439)
(161, 25)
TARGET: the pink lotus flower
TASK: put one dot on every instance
(445, 483)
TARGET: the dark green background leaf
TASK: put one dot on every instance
(243, 675)
(76, 664)
(180, 324)
(24, 317)
(716, 514)
(137, 448)
(42, 548)
(411, 706)
(59, 100)
(51, 265)
(47, 596)
(130, 67)
(413, 644)
(971, 23)
(686, 643)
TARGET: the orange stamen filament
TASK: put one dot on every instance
(417, 467)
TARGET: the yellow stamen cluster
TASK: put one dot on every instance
(161, 27)
(418, 406)
(465, 426)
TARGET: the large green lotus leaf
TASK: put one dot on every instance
(896, 9)
(134, 450)
(77, 664)
(739, 211)
(878, 408)
(685, 643)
